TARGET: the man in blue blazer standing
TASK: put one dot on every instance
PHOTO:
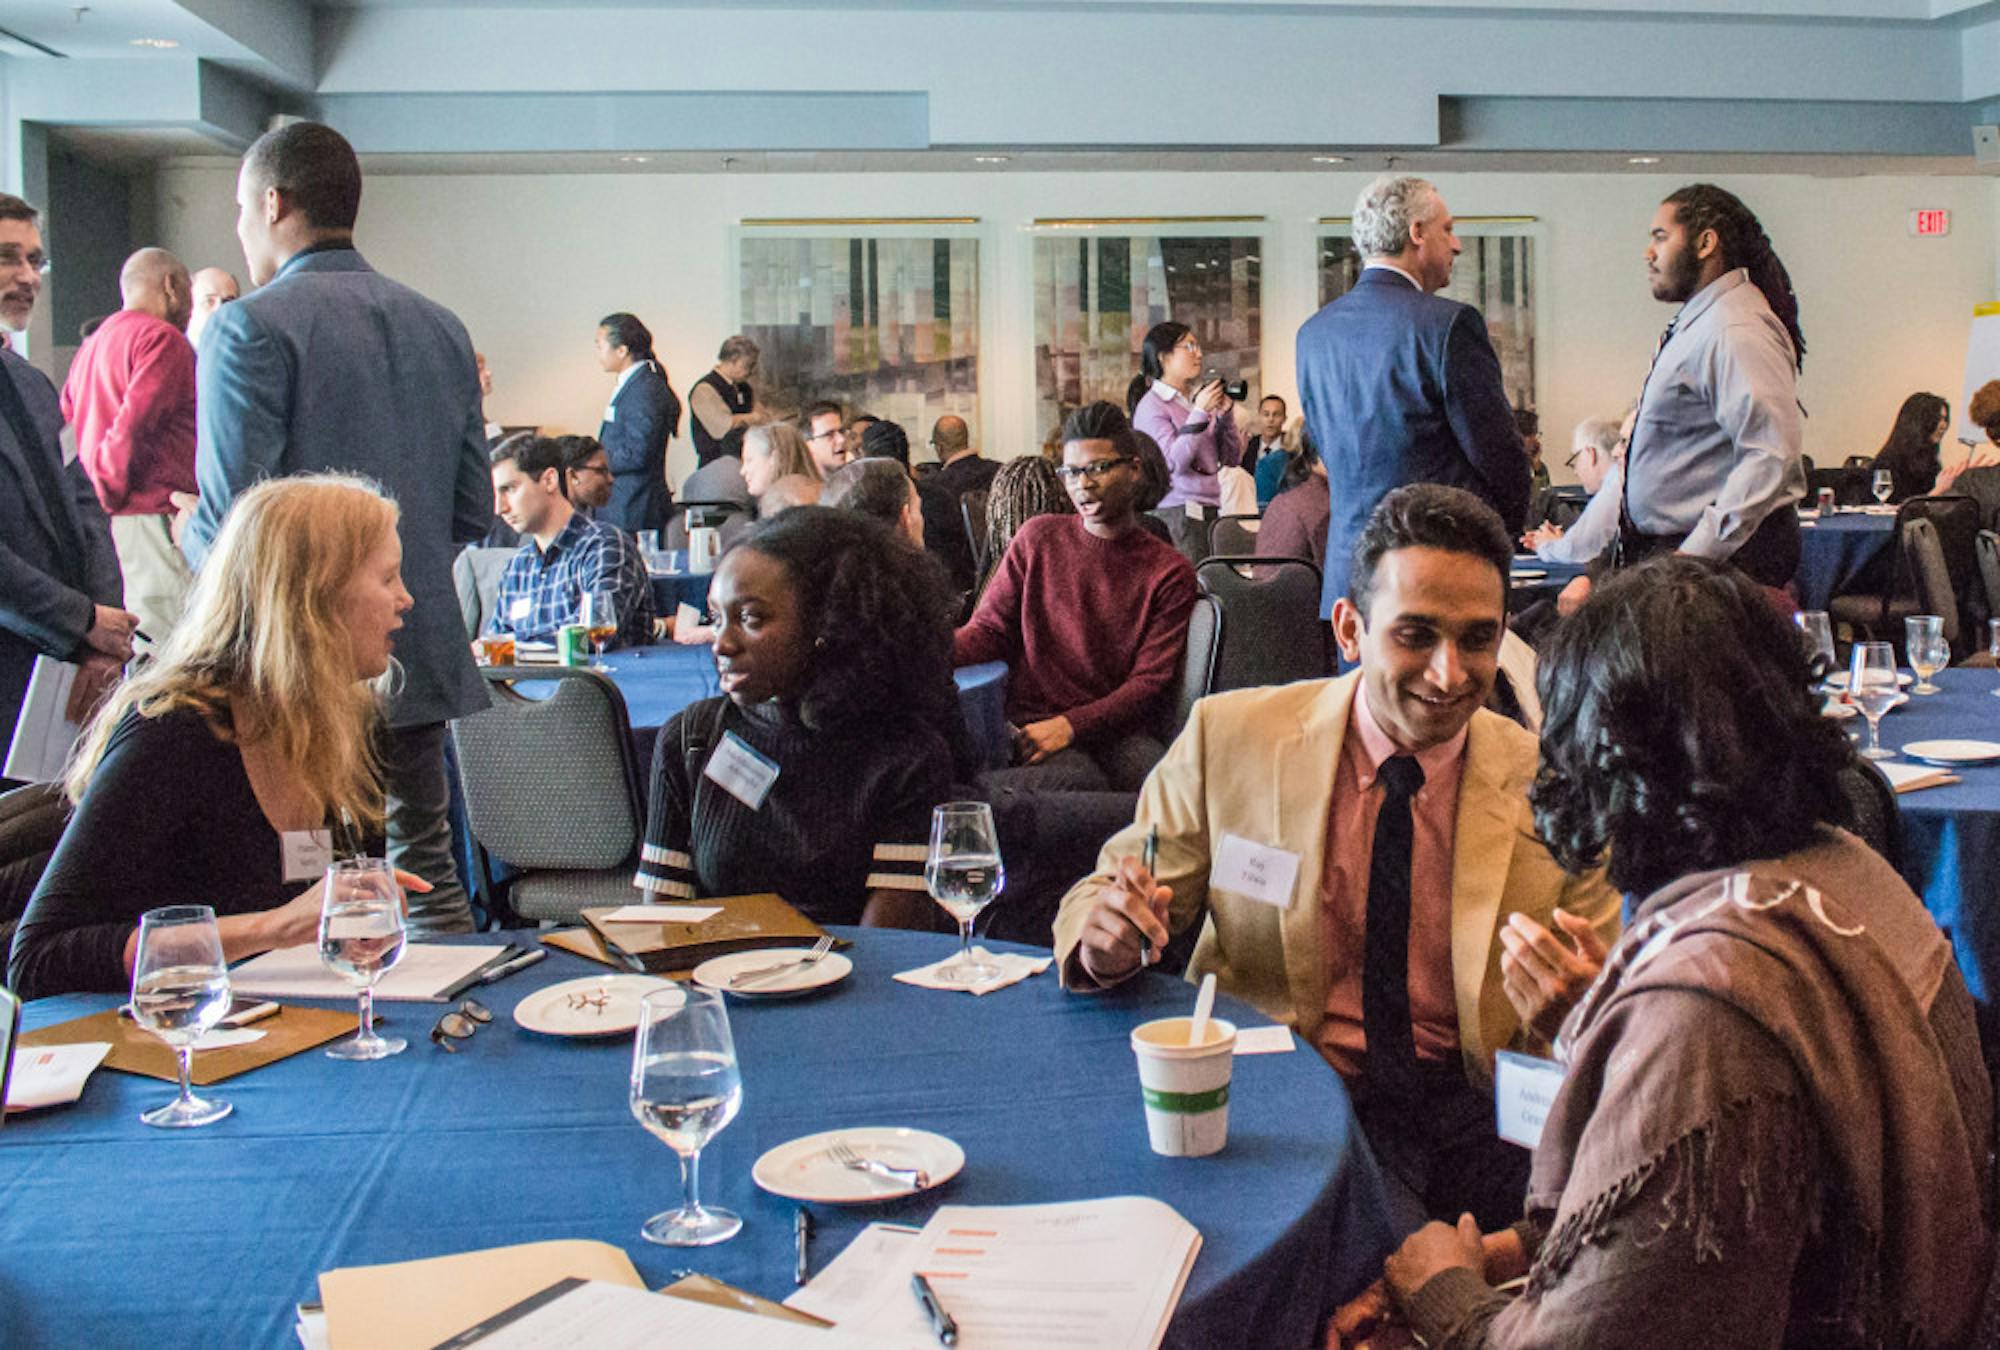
(61, 593)
(329, 365)
(1400, 385)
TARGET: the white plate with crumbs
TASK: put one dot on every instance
(596, 1005)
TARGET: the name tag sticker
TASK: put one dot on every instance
(308, 853)
(741, 771)
(521, 606)
(611, 412)
(1256, 871)
(1524, 1088)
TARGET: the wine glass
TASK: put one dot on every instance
(180, 990)
(964, 874)
(1883, 484)
(599, 617)
(685, 1088)
(1871, 684)
(360, 937)
(1816, 631)
(1924, 644)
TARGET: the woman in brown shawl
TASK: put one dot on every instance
(1776, 1127)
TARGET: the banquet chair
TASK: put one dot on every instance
(1271, 632)
(568, 850)
(1935, 594)
(1197, 675)
(731, 517)
(32, 820)
(1850, 486)
(972, 510)
(475, 576)
(1232, 535)
(1987, 547)
(1859, 462)
(1873, 816)
(1954, 525)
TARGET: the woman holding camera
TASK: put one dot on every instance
(1194, 424)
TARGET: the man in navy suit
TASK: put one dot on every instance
(329, 365)
(61, 593)
(1400, 385)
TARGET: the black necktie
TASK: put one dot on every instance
(48, 476)
(1627, 531)
(1391, 1048)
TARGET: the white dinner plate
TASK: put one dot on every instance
(1838, 679)
(804, 1170)
(800, 979)
(1953, 754)
(1838, 710)
(596, 1005)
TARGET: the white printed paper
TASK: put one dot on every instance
(741, 771)
(661, 914)
(1524, 1088)
(425, 971)
(845, 1285)
(308, 853)
(50, 1075)
(1255, 871)
(607, 1316)
(1273, 1040)
(43, 733)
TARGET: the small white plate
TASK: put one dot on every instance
(596, 1005)
(1838, 710)
(1954, 753)
(803, 1170)
(1838, 679)
(801, 979)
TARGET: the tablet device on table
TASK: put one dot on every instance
(10, 1031)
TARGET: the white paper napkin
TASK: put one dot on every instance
(222, 1038)
(660, 914)
(1014, 968)
(1264, 1040)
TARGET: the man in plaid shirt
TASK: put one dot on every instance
(564, 554)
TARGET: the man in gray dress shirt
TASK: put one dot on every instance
(1714, 465)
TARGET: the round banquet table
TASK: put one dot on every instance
(1951, 834)
(1528, 588)
(1834, 550)
(118, 1234)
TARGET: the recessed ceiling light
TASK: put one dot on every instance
(635, 159)
(1329, 159)
(991, 159)
(158, 44)
(1643, 159)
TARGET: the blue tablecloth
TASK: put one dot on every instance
(1834, 549)
(117, 1234)
(1527, 589)
(671, 590)
(1951, 834)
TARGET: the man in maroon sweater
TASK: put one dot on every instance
(1090, 613)
(130, 396)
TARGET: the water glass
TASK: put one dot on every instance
(685, 1088)
(361, 936)
(1816, 631)
(1871, 684)
(1924, 644)
(180, 990)
(1883, 484)
(964, 874)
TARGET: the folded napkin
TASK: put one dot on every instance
(1014, 968)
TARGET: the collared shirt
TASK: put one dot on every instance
(610, 410)
(1387, 266)
(1350, 846)
(543, 589)
(130, 396)
(1592, 532)
(1717, 444)
(1166, 393)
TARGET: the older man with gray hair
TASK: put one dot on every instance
(1401, 385)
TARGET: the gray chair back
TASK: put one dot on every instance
(1956, 520)
(1988, 549)
(1873, 814)
(573, 848)
(1933, 579)
(1272, 632)
(1232, 536)
(730, 517)
(1204, 639)
(475, 576)
(972, 510)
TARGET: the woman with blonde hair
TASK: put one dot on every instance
(227, 771)
(772, 451)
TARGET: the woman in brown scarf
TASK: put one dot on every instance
(1776, 1127)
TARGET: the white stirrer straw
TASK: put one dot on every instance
(1203, 1002)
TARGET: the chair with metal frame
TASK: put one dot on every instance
(1232, 536)
(1954, 528)
(972, 510)
(1272, 632)
(1197, 673)
(560, 854)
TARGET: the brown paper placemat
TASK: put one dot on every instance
(136, 1050)
(745, 923)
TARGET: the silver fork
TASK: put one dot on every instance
(748, 977)
(843, 1153)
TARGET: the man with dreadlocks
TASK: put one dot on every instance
(1714, 466)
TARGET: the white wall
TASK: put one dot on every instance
(532, 262)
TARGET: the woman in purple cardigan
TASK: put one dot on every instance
(1195, 426)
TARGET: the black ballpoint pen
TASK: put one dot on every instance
(802, 1230)
(1149, 857)
(942, 1326)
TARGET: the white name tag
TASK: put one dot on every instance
(741, 771)
(1257, 871)
(611, 412)
(1524, 1088)
(521, 606)
(308, 853)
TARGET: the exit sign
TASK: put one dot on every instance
(1930, 224)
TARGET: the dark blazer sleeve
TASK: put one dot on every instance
(472, 495)
(1475, 403)
(641, 425)
(243, 413)
(104, 577)
(39, 609)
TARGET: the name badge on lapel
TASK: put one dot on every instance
(1255, 871)
(521, 607)
(611, 412)
(740, 771)
(1524, 1088)
(308, 853)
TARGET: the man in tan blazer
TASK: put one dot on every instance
(1279, 835)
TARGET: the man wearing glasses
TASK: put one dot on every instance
(1090, 613)
(826, 438)
(61, 593)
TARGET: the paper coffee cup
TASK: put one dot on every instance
(1185, 1087)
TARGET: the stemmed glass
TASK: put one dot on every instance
(599, 617)
(360, 937)
(685, 1088)
(180, 990)
(1871, 684)
(1816, 631)
(964, 874)
(1924, 644)
(1883, 484)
